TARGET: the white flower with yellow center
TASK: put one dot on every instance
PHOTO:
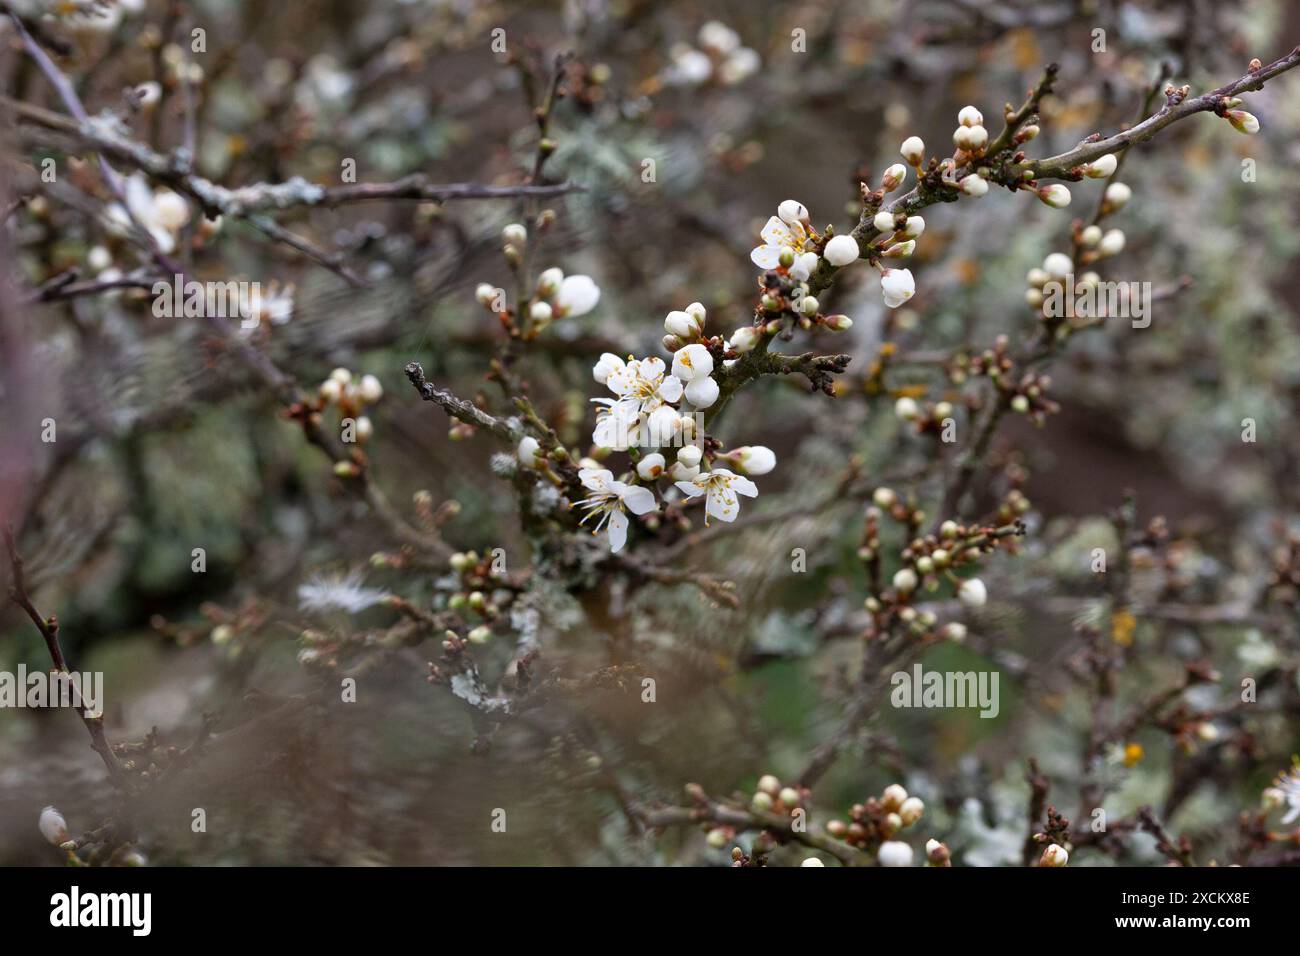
(786, 235)
(608, 502)
(643, 387)
(721, 486)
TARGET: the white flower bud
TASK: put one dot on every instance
(702, 392)
(479, 635)
(651, 466)
(717, 837)
(900, 250)
(1033, 298)
(578, 295)
(1118, 195)
(754, 459)
(1055, 195)
(485, 293)
(331, 390)
(99, 258)
(1038, 277)
(1111, 243)
(680, 472)
(341, 375)
(1020, 404)
(1058, 265)
(548, 283)
(370, 390)
(1243, 122)
(527, 451)
(907, 409)
(1090, 235)
(897, 286)
(974, 185)
(609, 362)
(809, 306)
(884, 221)
(905, 580)
(913, 150)
(914, 227)
(744, 338)
(1054, 856)
(961, 138)
(762, 801)
(893, 177)
(812, 861)
(681, 324)
(1101, 167)
(910, 810)
(932, 846)
(692, 362)
(515, 234)
(689, 456)
(979, 137)
(697, 310)
(893, 796)
(53, 827)
(792, 211)
(970, 116)
(841, 250)
(789, 796)
(541, 313)
(884, 497)
(365, 429)
(838, 323)
(894, 853)
(955, 631)
(171, 210)
(972, 593)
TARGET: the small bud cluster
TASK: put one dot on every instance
(874, 824)
(351, 396)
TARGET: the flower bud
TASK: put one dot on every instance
(1091, 235)
(485, 293)
(913, 150)
(753, 459)
(893, 177)
(884, 221)
(702, 392)
(838, 323)
(331, 390)
(365, 429)
(972, 593)
(812, 861)
(548, 283)
(651, 466)
(894, 853)
(893, 796)
(762, 801)
(53, 827)
(913, 228)
(789, 796)
(479, 635)
(370, 390)
(1111, 243)
(1118, 195)
(718, 837)
(900, 250)
(1020, 404)
(1243, 122)
(341, 375)
(970, 116)
(910, 810)
(681, 324)
(974, 185)
(905, 580)
(1101, 167)
(978, 137)
(884, 497)
(514, 234)
(541, 313)
(527, 451)
(769, 784)
(955, 631)
(689, 456)
(1055, 195)
(841, 250)
(792, 211)
(744, 338)
(1027, 133)
(697, 310)
(1058, 265)
(1054, 855)
(809, 306)
(907, 409)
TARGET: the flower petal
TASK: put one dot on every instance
(639, 500)
(617, 530)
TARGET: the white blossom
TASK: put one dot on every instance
(161, 213)
(339, 593)
(721, 487)
(53, 827)
(692, 362)
(578, 295)
(778, 237)
(894, 853)
(609, 362)
(609, 499)
(897, 286)
(841, 250)
(1058, 265)
(972, 593)
(792, 211)
(754, 459)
